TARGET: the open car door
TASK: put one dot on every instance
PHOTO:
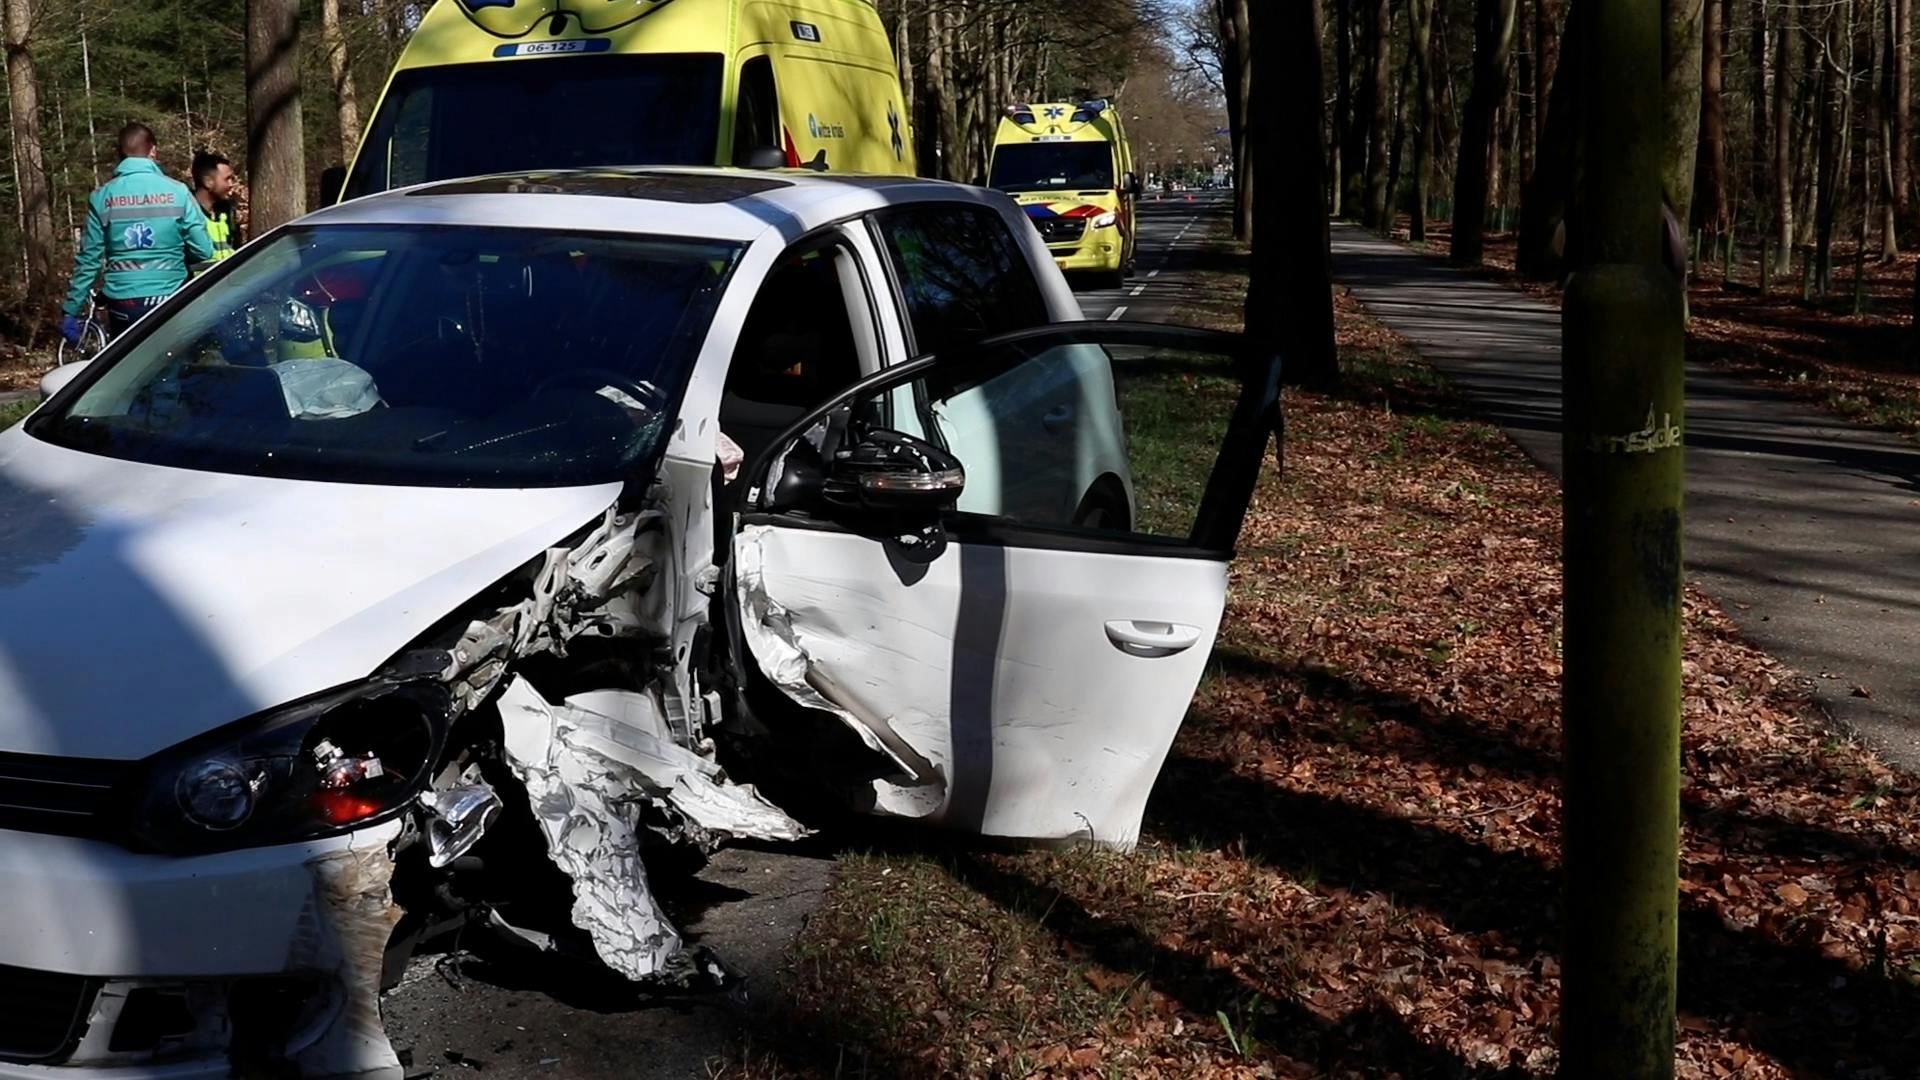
(1003, 569)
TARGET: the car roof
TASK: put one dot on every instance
(706, 203)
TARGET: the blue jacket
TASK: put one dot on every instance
(143, 228)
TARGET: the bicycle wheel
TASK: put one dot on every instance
(93, 338)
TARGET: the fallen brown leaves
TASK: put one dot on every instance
(1350, 862)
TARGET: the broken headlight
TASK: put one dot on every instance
(340, 760)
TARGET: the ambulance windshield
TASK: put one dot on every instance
(1056, 166)
(544, 112)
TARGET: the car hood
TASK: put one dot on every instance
(142, 605)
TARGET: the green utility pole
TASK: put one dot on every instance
(1623, 350)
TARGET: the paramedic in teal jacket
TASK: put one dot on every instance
(143, 229)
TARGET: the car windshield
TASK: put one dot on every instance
(1053, 166)
(546, 112)
(426, 355)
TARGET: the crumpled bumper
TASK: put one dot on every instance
(267, 958)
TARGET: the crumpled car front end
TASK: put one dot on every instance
(544, 727)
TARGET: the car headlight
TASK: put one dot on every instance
(340, 760)
(1106, 220)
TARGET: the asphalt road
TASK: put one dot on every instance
(1172, 234)
(460, 1013)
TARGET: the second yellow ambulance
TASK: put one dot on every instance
(1071, 170)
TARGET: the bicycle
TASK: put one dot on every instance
(93, 336)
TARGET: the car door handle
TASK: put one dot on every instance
(1057, 417)
(1139, 637)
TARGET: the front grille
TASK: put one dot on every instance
(42, 1014)
(65, 796)
(1061, 230)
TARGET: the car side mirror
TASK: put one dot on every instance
(802, 481)
(54, 381)
(891, 471)
(766, 157)
(333, 182)
(1130, 184)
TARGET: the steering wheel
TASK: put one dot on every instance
(645, 393)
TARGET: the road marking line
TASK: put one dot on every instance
(1153, 273)
(1117, 312)
(1137, 290)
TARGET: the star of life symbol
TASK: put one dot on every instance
(1055, 112)
(899, 144)
(137, 235)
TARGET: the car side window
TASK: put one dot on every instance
(799, 345)
(1105, 438)
(1088, 434)
(962, 275)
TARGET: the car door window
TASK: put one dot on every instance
(962, 275)
(1092, 433)
(802, 342)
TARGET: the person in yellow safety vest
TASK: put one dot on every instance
(213, 184)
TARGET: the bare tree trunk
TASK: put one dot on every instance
(1353, 153)
(1240, 11)
(1492, 51)
(276, 153)
(1397, 144)
(1496, 153)
(1888, 105)
(1546, 43)
(36, 194)
(93, 136)
(927, 99)
(1759, 140)
(1680, 61)
(1544, 203)
(1446, 122)
(903, 55)
(1786, 35)
(1710, 166)
(940, 75)
(1420, 55)
(1902, 135)
(1342, 102)
(1380, 57)
(1807, 175)
(1290, 289)
(1827, 203)
(335, 44)
(1526, 104)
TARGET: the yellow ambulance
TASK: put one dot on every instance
(1070, 168)
(497, 85)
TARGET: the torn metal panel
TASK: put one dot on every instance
(599, 770)
(777, 648)
(599, 587)
(630, 729)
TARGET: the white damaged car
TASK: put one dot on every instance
(448, 555)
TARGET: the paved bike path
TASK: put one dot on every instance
(1804, 528)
